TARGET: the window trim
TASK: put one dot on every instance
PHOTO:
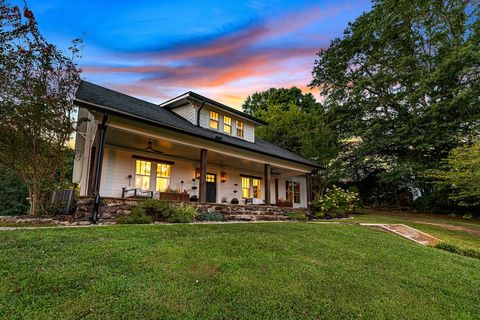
(292, 191)
(213, 119)
(240, 128)
(229, 124)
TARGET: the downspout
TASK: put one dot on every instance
(198, 112)
(98, 168)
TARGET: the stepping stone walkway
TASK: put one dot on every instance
(406, 232)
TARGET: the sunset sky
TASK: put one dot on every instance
(156, 50)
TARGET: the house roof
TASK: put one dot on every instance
(92, 96)
(182, 99)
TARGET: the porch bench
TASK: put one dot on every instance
(136, 193)
(254, 201)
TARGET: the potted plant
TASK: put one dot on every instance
(194, 198)
(234, 201)
(175, 195)
(284, 203)
(224, 199)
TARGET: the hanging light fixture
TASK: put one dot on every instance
(223, 176)
(197, 173)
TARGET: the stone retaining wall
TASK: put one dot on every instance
(112, 208)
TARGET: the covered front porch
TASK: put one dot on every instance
(149, 161)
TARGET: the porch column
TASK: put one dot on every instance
(267, 184)
(308, 178)
(203, 176)
(276, 190)
(98, 166)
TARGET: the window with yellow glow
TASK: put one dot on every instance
(143, 171)
(214, 120)
(164, 172)
(210, 177)
(245, 187)
(257, 193)
(227, 124)
(240, 128)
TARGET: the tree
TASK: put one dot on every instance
(13, 194)
(283, 97)
(405, 80)
(461, 172)
(295, 122)
(37, 85)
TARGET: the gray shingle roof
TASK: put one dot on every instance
(100, 98)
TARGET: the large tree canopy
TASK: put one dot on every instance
(295, 122)
(37, 84)
(404, 83)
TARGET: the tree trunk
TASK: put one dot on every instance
(35, 201)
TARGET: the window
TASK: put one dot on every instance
(210, 177)
(293, 191)
(239, 125)
(214, 120)
(164, 172)
(245, 187)
(257, 192)
(251, 188)
(142, 174)
(227, 124)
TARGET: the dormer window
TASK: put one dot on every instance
(240, 128)
(227, 124)
(214, 120)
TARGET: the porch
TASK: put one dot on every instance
(147, 161)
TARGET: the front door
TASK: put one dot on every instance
(211, 187)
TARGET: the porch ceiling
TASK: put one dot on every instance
(138, 143)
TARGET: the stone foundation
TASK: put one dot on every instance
(112, 208)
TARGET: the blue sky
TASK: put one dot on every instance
(222, 49)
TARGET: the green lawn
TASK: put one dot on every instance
(439, 226)
(234, 271)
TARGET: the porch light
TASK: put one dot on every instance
(197, 173)
(223, 177)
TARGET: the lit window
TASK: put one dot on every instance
(293, 191)
(245, 187)
(239, 128)
(257, 193)
(227, 124)
(164, 172)
(214, 120)
(210, 177)
(142, 174)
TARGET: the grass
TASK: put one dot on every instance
(434, 224)
(234, 271)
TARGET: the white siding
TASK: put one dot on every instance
(187, 112)
(249, 128)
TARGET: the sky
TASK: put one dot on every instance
(225, 50)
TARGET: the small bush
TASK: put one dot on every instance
(182, 213)
(335, 201)
(467, 216)
(210, 216)
(296, 215)
(458, 250)
(159, 210)
(135, 217)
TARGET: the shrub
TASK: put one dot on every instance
(458, 250)
(135, 217)
(159, 210)
(210, 216)
(182, 213)
(335, 201)
(296, 215)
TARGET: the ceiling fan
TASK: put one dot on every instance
(150, 148)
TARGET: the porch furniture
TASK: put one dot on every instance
(136, 193)
(254, 201)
